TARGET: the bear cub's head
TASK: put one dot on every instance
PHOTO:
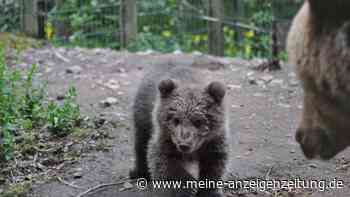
(189, 115)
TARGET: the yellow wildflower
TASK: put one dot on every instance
(167, 34)
(249, 34)
(49, 30)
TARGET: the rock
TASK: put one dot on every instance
(252, 80)
(197, 53)
(50, 63)
(292, 74)
(277, 82)
(235, 106)
(312, 165)
(232, 86)
(121, 70)
(128, 185)
(147, 52)
(74, 70)
(208, 62)
(22, 65)
(251, 73)
(62, 50)
(60, 97)
(224, 61)
(98, 122)
(257, 61)
(293, 82)
(177, 52)
(284, 105)
(234, 69)
(78, 173)
(109, 102)
(48, 69)
(77, 148)
(99, 51)
(119, 93)
(267, 78)
(261, 83)
(112, 84)
(258, 94)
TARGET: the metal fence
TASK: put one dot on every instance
(10, 15)
(162, 25)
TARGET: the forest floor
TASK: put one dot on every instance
(264, 110)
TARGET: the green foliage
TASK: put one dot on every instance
(89, 23)
(24, 108)
(165, 26)
(63, 118)
(9, 101)
(9, 15)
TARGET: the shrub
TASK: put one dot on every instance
(24, 108)
(63, 118)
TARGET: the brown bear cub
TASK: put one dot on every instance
(319, 45)
(181, 128)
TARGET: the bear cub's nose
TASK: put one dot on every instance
(184, 148)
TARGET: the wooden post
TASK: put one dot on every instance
(216, 33)
(128, 22)
(30, 17)
(275, 63)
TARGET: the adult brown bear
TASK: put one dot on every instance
(319, 45)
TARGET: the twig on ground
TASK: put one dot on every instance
(267, 175)
(103, 185)
(45, 150)
(69, 184)
(59, 56)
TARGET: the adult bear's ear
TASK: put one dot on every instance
(166, 87)
(216, 90)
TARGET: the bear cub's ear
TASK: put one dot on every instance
(166, 87)
(216, 90)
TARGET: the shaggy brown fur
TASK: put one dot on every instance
(318, 44)
(181, 117)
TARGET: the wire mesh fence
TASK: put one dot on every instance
(162, 25)
(10, 14)
(86, 23)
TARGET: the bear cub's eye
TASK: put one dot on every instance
(176, 121)
(197, 122)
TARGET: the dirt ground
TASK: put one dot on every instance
(264, 112)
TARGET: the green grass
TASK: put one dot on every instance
(25, 110)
